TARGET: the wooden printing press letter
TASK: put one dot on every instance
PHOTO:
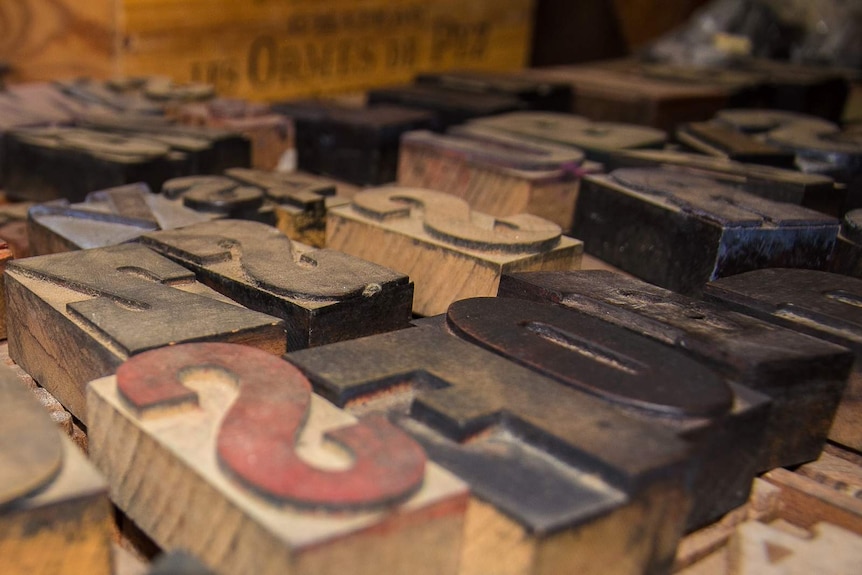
(680, 231)
(803, 376)
(322, 295)
(847, 256)
(75, 316)
(535, 94)
(448, 250)
(818, 303)
(238, 462)
(54, 510)
(562, 481)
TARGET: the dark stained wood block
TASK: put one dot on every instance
(231, 463)
(847, 257)
(803, 376)
(680, 231)
(552, 492)
(323, 296)
(449, 251)
(495, 173)
(595, 139)
(715, 139)
(449, 107)
(818, 303)
(76, 316)
(55, 512)
(815, 191)
(358, 145)
(535, 94)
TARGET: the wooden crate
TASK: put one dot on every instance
(263, 49)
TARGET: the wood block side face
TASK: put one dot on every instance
(322, 295)
(655, 214)
(534, 452)
(76, 316)
(55, 506)
(183, 473)
(448, 251)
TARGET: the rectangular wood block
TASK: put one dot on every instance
(355, 144)
(447, 250)
(679, 231)
(820, 304)
(76, 316)
(551, 493)
(596, 139)
(56, 514)
(496, 174)
(535, 94)
(722, 141)
(804, 377)
(814, 191)
(267, 50)
(195, 414)
(322, 296)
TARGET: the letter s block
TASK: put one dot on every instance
(236, 461)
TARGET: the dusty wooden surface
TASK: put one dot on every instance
(818, 303)
(448, 250)
(496, 174)
(76, 316)
(322, 296)
(680, 231)
(193, 461)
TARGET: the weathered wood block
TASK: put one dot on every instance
(76, 316)
(323, 296)
(107, 217)
(551, 492)
(55, 512)
(496, 174)
(448, 107)
(534, 93)
(818, 303)
(231, 432)
(449, 251)
(680, 231)
(622, 92)
(847, 256)
(722, 141)
(760, 549)
(271, 134)
(815, 191)
(358, 145)
(804, 377)
(6, 256)
(596, 139)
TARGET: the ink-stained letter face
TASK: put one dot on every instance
(55, 505)
(301, 486)
(323, 296)
(551, 493)
(76, 316)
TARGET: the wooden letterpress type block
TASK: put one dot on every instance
(847, 256)
(358, 145)
(680, 231)
(535, 94)
(818, 303)
(762, 549)
(76, 316)
(220, 197)
(322, 295)
(552, 493)
(55, 513)
(722, 141)
(210, 150)
(449, 251)
(271, 134)
(803, 376)
(449, 107)
(621, 91)
(6, 256)
(42, 164)
(815, 191)
(228, 432)
(495, 173)
(596, 139)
